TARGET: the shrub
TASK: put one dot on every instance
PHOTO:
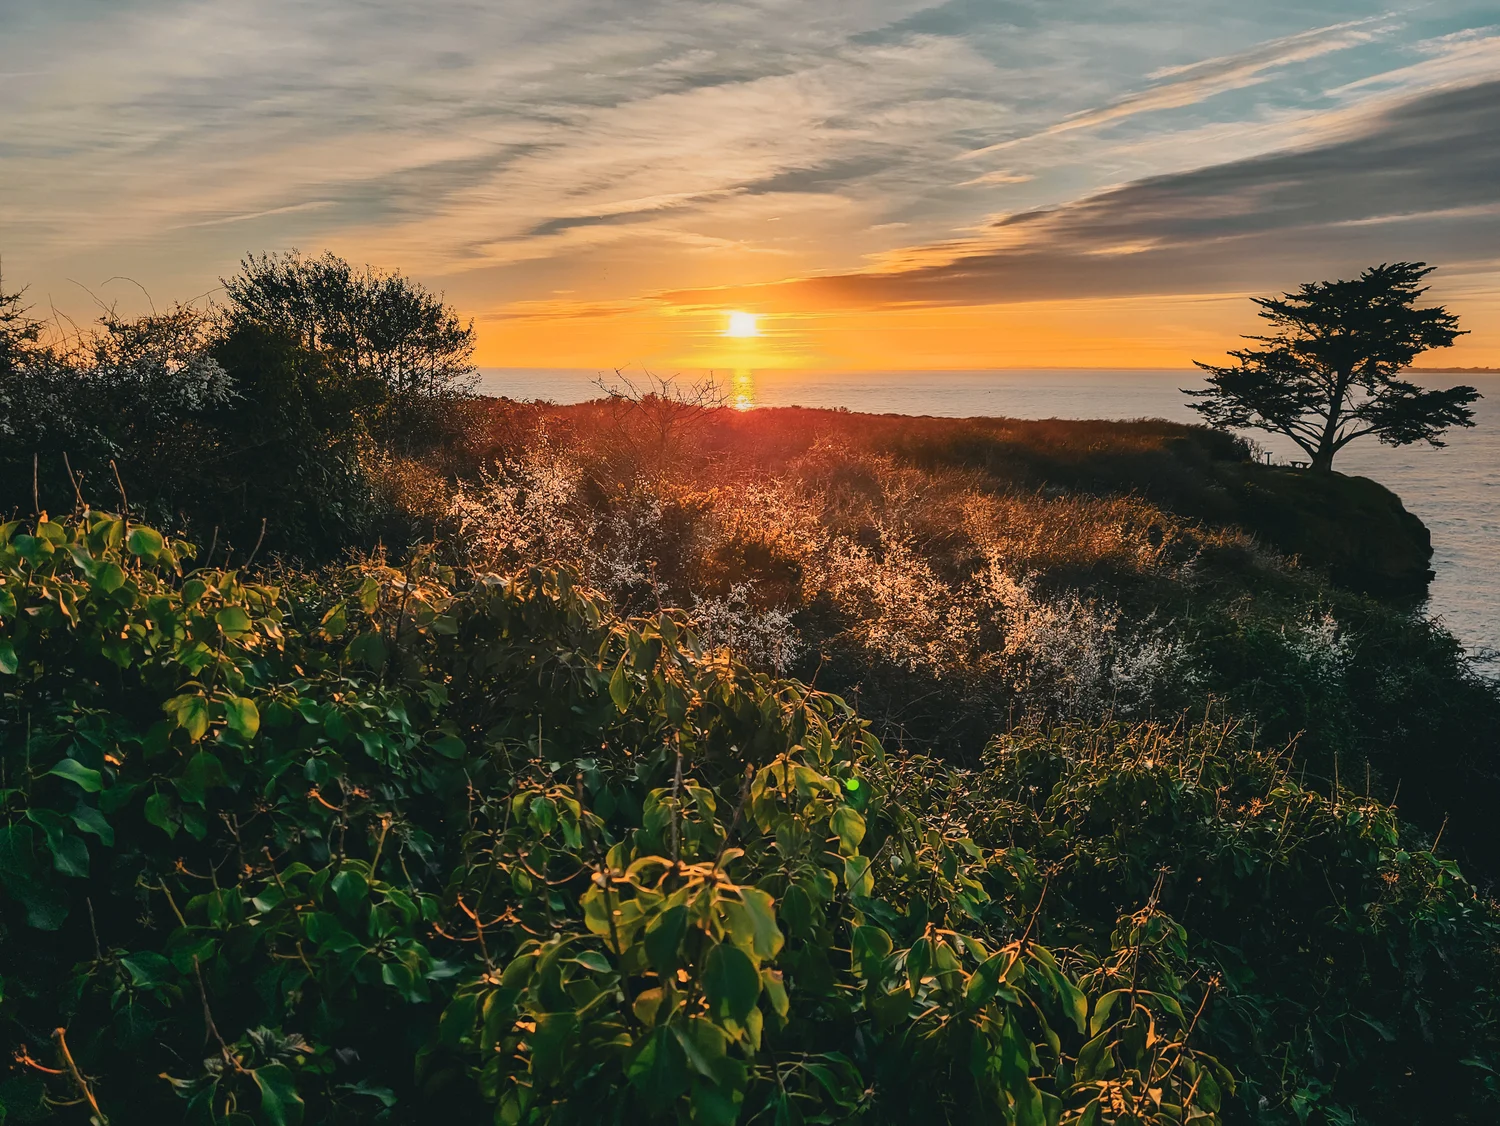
(1355, 972)
(397, 844)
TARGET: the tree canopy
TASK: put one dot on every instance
(287, 403)
(374, 326)
(1330, 372)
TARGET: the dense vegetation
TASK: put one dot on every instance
(958, 579)
(481, 788)
(289, 410)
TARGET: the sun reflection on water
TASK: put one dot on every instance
(742, 391)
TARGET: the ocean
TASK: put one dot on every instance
(1455, 490)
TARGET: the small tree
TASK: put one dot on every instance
(1329, 373)
(395, 343)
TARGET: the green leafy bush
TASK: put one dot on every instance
(401, 845)
(1356, 973)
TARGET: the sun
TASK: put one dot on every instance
(742, 324)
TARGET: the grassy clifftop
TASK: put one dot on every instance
(1352, 528)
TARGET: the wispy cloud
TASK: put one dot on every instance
(1190, 83)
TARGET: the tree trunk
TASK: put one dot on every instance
(1322, 461)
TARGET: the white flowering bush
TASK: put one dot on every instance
(764, 638)
(524, 510)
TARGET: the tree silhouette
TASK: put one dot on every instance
(1329, 373)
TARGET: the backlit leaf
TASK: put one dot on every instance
(85, 778)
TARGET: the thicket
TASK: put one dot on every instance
(285, 417)
(402, 844)
(953, 596)
(438, 845)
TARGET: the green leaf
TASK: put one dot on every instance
(450, 746)
(368, 649)
(191, 714)
(22, 876)
(871, 947)
(849, 827)
(730, 981)
(280, 1105)
(753, 923)
(144, 542)
(619, 687)
(148, 969)
(110, 578)
(775, 988)
(70, 855)
(243, 717)
(858, 878)
(8, 662)
(918, 962)
(702, 1042)
(90, 820)
(659, 1069)
(1029, 1111)
(369, 595)
(544, 814)
(663, 937)
(1092, 1058)
(352, 891)
(202, 773)
(985, 980)
(1102, 1009)
(715, 1106)
(551, 1044)
(336, 621)
(233, 621)
(86, 779)
(161, 811)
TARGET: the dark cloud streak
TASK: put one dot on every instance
(1420, 180)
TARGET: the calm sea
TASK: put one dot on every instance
(1455, 490)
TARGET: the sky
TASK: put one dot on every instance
(881, 184)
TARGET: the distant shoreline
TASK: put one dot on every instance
(1453, 371)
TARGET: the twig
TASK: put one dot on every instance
(478, 930)
(1035, 914)
(98, 954)
(677, 810)
(77, 492)
(258, 541)
(61, 1036)
(738, 811)
(209, 1027)
(124, 500)
(385, 827)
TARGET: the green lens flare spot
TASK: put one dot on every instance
(851, 784)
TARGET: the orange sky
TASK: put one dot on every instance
(1148, 332)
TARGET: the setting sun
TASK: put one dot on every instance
(742, 324)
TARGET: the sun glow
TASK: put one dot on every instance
(742, 324)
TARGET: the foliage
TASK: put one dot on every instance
(1330, 372)
(951, 600)
(284, 419)
(382, 332)
(1356, 974)
(397, 844)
